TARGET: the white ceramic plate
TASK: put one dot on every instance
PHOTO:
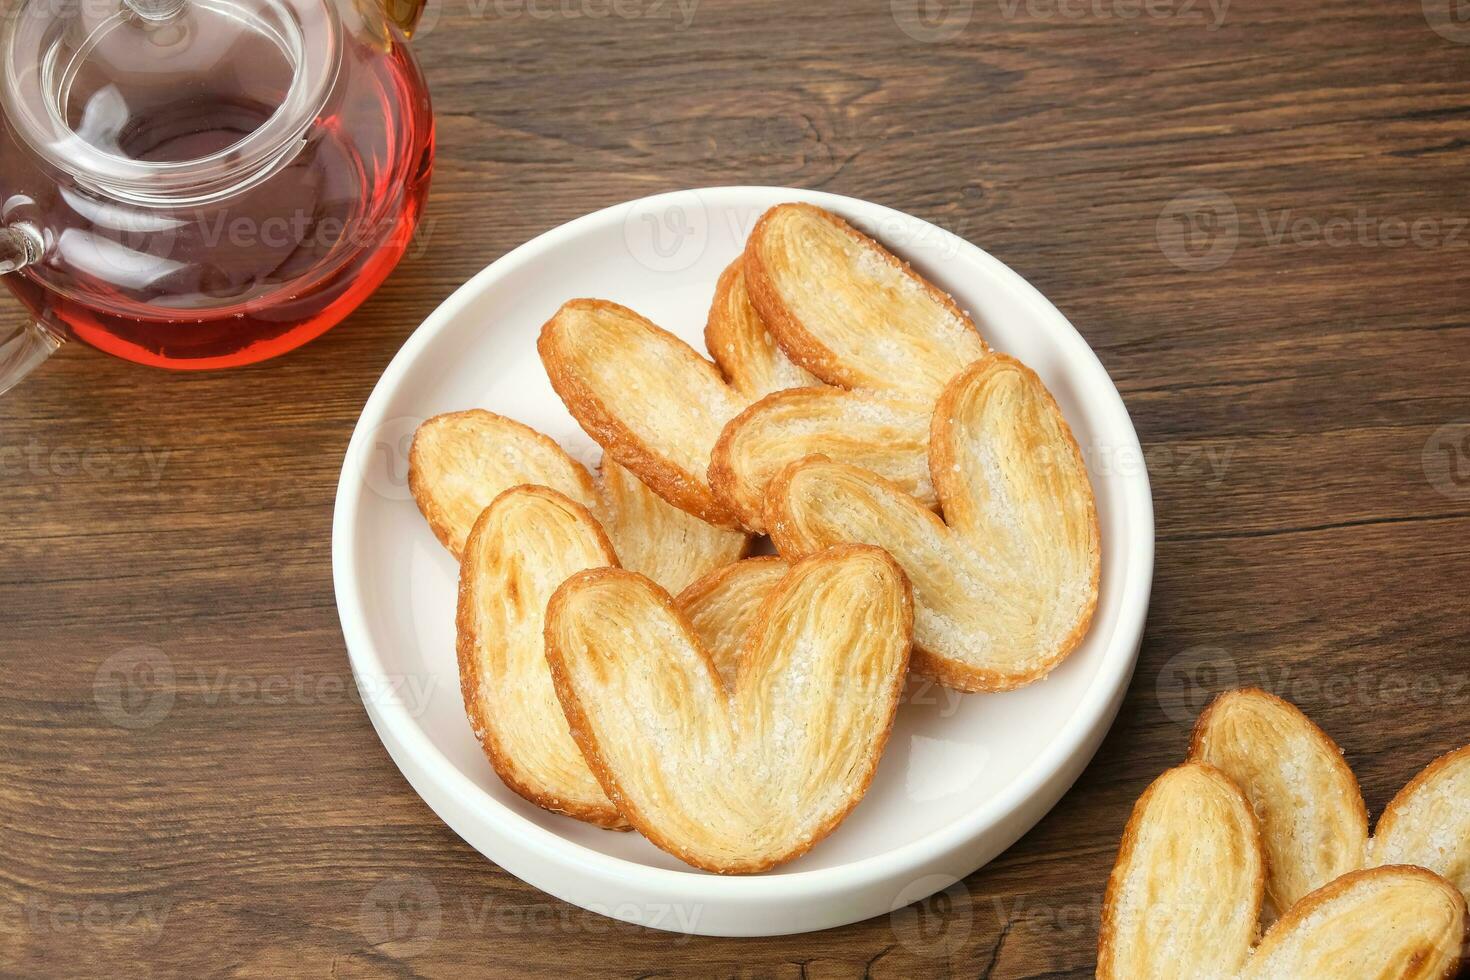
(963, 777)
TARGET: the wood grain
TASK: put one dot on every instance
(1294, 402)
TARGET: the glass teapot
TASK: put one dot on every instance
(203, 183)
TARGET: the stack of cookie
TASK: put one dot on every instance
(929, 507)
(1264, 826)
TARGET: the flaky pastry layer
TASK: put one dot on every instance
(724, 607)
(664, 412)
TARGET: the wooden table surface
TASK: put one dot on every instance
(1255, 213)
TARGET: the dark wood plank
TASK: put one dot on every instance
(1292, 400)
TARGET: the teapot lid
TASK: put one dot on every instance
(166, 102)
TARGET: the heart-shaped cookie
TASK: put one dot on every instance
(735, 781)
(1006, 583)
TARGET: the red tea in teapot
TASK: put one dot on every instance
(204, 194)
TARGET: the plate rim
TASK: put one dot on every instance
(1104, 692)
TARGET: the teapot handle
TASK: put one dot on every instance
(405, 13)
(24, 347)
